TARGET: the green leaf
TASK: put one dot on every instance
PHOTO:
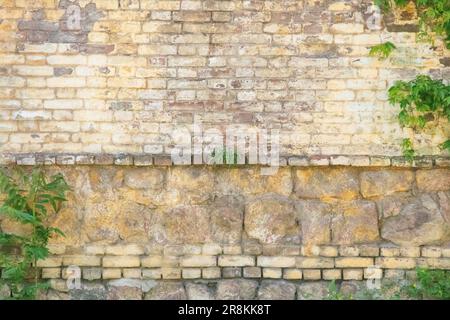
(28, 197)
(36, 252)
(382, 51)
(8, 239)
(408, 150)
(57, 231)
(23, 217)
(445, 145)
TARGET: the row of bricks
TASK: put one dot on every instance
(239, 78)
(136, 140)
(245, 261)
(257, 249)
(212, 58)
(165, 160)
(187, 42)
(145, 67)
(222, 5)
(218, 273)
(233, 85)
(321, 152)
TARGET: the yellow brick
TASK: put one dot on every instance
(311, 263)
(272, 273)
(50, 262)
(56, 248)
(373, 273)
(211, 273)
(95, 250)
(121, 261)
(160, 5)
(51, 273)
(121, 250)
(396, 263)
(151, 273)
(390, 252)
(312, 274)
(198, 261)
(354, 262)
(431, 252)
(191, 273)
(292, 274)
(111, 273)
(152, 261)
(171, 273)
(412, 252)
(126, 83)
(352, 274)
(81, 261)
(331, 274)
(131, 273)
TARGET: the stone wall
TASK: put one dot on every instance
(231, 232)
(119, 76)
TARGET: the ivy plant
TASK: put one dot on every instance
(421, 101)
(434, 17)
(28, 199)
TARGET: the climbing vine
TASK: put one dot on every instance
(28, 198)
(423, 99)
(434, 16)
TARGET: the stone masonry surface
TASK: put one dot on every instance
(118, 76)
(158, 232)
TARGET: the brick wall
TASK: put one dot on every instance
(125, 74)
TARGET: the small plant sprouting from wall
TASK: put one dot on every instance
(28, 199)
(430, 284)
(421, 100)
(383, 50)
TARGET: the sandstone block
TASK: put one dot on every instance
(433, 180)
(276, 290)
(355, 222)
(166, 291)
(199, 291)
(236, 289)
(379, 183)
(418, 223)
(315, 219)
(326, 183)
(271, 220)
